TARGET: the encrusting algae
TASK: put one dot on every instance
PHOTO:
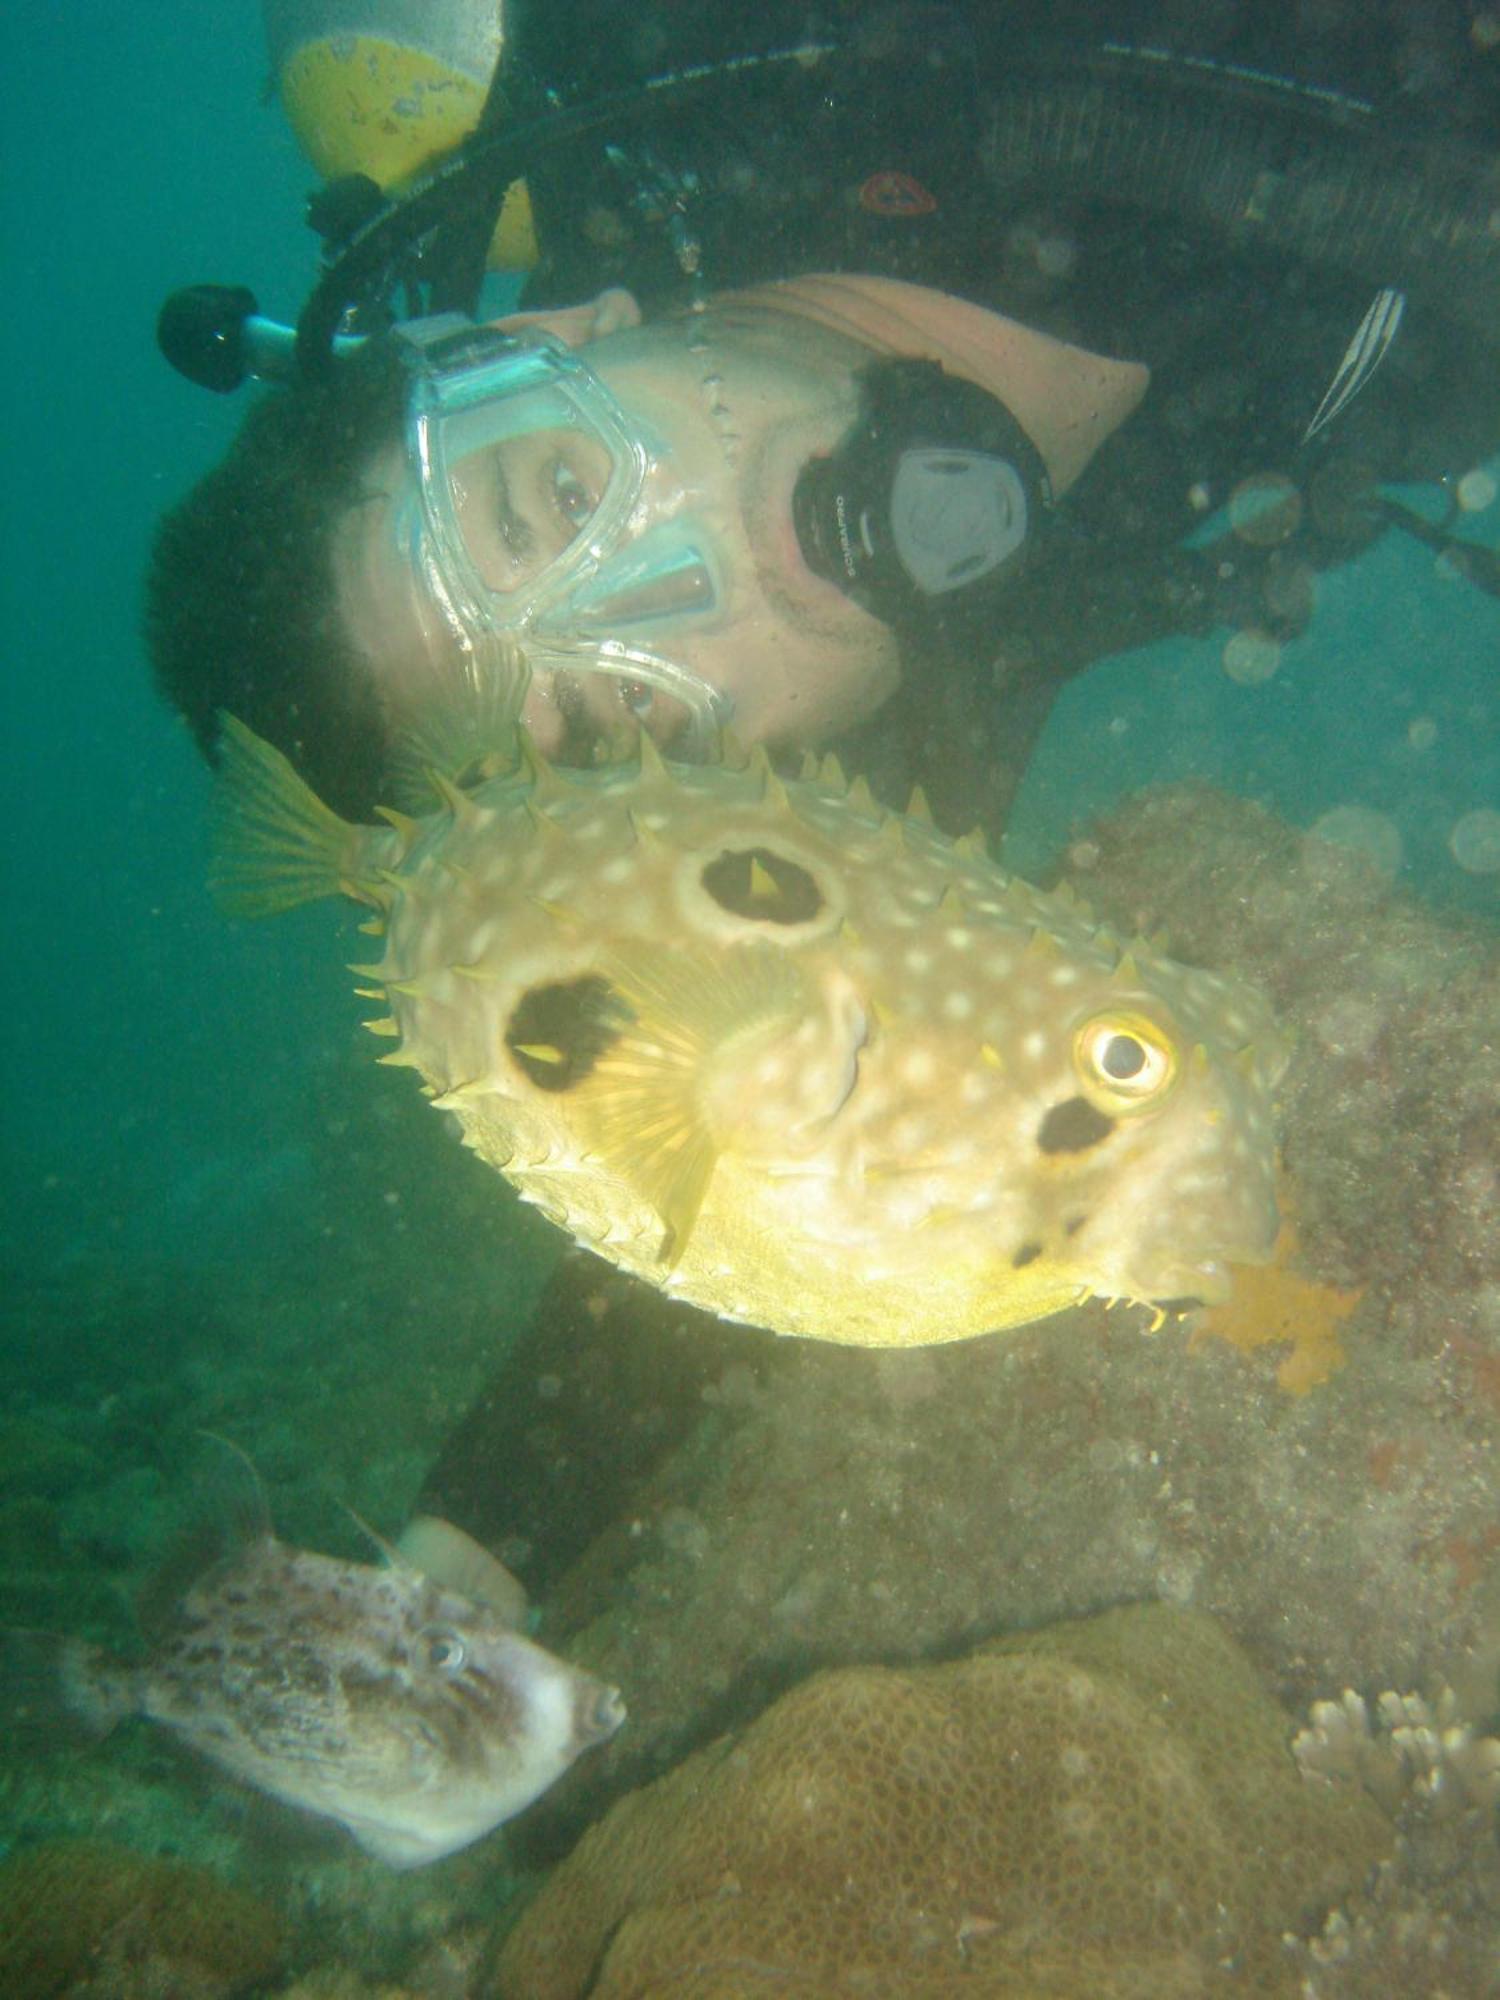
(1274, 1305)
(790, 1057)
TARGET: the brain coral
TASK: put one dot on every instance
(79, 1917)
(1106, 1808)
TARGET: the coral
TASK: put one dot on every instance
(339, 1983)
(1103, 1808)
(1417, 1754)
(1426, 1926)
(81, 1917)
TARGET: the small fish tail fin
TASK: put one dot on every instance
(57, 1692)
(275, 843)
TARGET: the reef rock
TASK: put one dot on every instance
(81, 1918)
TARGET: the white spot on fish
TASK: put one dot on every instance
(918, 1068)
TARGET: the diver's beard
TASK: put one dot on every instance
(593, 732)
(584, 739)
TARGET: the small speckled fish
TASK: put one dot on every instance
(377, 1697)
(788, 1056)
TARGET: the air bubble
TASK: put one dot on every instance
(1475, 842)
(1365, 831)
(1476, 491)
(1251, 657)
(1265, 509)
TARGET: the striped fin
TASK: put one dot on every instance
(643, 1109)
(466, 732)
(1364, 354)
(275, 843)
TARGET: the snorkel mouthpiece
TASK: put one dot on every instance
(930, 505)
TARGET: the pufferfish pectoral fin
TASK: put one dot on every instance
(648, 1107)
(275, 843)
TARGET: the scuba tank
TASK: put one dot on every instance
(384, 89)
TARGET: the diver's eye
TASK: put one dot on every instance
(1124, 1060)
(445, 1650)
(571, 498)
(637, 696)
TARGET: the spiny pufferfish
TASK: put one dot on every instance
(788, 1056)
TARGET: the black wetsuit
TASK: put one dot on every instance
(1033, 160)
(1240, 287)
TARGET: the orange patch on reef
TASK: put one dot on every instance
(1274, 1306)
(1471, 1556)
(1483, 1364)
(1383, 1461)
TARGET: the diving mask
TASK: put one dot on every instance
(534, 509)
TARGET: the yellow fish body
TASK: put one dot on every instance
(792, 1058)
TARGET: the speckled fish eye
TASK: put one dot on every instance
(446, 1651)
(1125, 1062)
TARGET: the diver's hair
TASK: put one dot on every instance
(240, 612)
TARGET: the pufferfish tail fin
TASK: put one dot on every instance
(275, 843)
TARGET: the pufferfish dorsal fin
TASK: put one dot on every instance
(275, 843)
(648, 1107)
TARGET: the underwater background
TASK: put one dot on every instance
(156, 1056)
(215, 1213)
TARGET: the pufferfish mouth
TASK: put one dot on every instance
(1178, 1287)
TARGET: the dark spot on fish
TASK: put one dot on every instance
(1073, 1127)
(1027, 1254)
(756, 882)
(1073, 1224)
(558, 1032)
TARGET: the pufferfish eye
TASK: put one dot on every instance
(444, 1650)
(1124, 1061)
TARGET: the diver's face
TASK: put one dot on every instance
(733, 405)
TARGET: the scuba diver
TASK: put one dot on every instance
(1028, 316)
(867, 387)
